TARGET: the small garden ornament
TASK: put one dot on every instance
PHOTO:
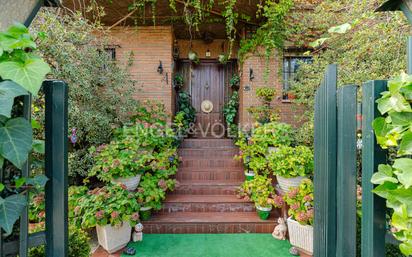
(280, 230)
(138, 233)
(129, 251)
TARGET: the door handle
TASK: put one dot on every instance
(207, 85)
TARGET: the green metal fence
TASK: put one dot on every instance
(55, 236)
(336, 171)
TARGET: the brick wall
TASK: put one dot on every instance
(289, 113)
(149, 45)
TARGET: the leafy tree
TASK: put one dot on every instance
(99, 88)
(365, 44)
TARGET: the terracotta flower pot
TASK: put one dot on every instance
(300, 236)
(113, 238)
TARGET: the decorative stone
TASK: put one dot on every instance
(138, 233)
(280, 230)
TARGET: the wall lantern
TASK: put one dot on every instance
(176, 51)
(251, 75)
(398, 5)
(160, 68)
(208, 53)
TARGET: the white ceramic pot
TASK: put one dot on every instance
(286, 183)
(260, 208)
(113, 238)
(301, 236)
(272, 149)
(131, 182)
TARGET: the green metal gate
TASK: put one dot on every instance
(336, 172)
(55, 236)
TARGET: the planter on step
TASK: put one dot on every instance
(114, 238)
(131, 183)
(272, 149)
(286, 183)
(301, 236)
(263, 212)
(145, 213)
(250, 175)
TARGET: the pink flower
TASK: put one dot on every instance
(99, 215)
(42, 214)
(123, 186)
(307, 198)
(293, 193)
(135, 216)
(114, 214)
(140, 190)
(77, 210)
(162, 184)
(302, 217)
(106, 169)
(294, 206)
(116, 162)
(310, 213)
(278, 200)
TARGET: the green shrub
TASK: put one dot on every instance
(301, 202)
(99, 95)
(78, 244)
(290, 162)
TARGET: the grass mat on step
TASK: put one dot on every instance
(210, 245)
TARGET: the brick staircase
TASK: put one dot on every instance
(205, 201)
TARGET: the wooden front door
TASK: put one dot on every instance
(208, 83)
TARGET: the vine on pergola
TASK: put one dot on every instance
(270, 35)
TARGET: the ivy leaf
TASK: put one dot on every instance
(38, 146)
(341, 29)
(406, 248)
(8, 91)
(401, 118)
(16, 140)
(385, 190)
(319, 42)
(404, 171)
(396, 102)
(39, 180)
(383, 175)
(405, 146)
(20, 182)
(29, 74)
(407, 92)
(1, 187)
(10, 209)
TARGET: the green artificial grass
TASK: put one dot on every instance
(210, 245)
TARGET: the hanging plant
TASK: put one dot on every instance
(178, 81)
(234, 82)
(223, 58)
(193, 57)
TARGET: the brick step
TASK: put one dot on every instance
(207, 143)
(208, 152)
(206, 203)
(197, 163)
(209, 222)
(213, 174)
(207, 188)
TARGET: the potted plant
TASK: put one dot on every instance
(266, 94)
(121, 161)
(112, 210)
(272, 135)
(261, 192)
(291, 165)
(301, 215)
(230, 113)
(152, 191)
(193, 56)
(223, 58)
(249, 175)
(178, 81)
(235, 82)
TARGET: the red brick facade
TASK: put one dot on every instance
(147, 46)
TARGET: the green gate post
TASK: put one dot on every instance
(56, 168)
(373, 206)
(347, 173)
(325, 166)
